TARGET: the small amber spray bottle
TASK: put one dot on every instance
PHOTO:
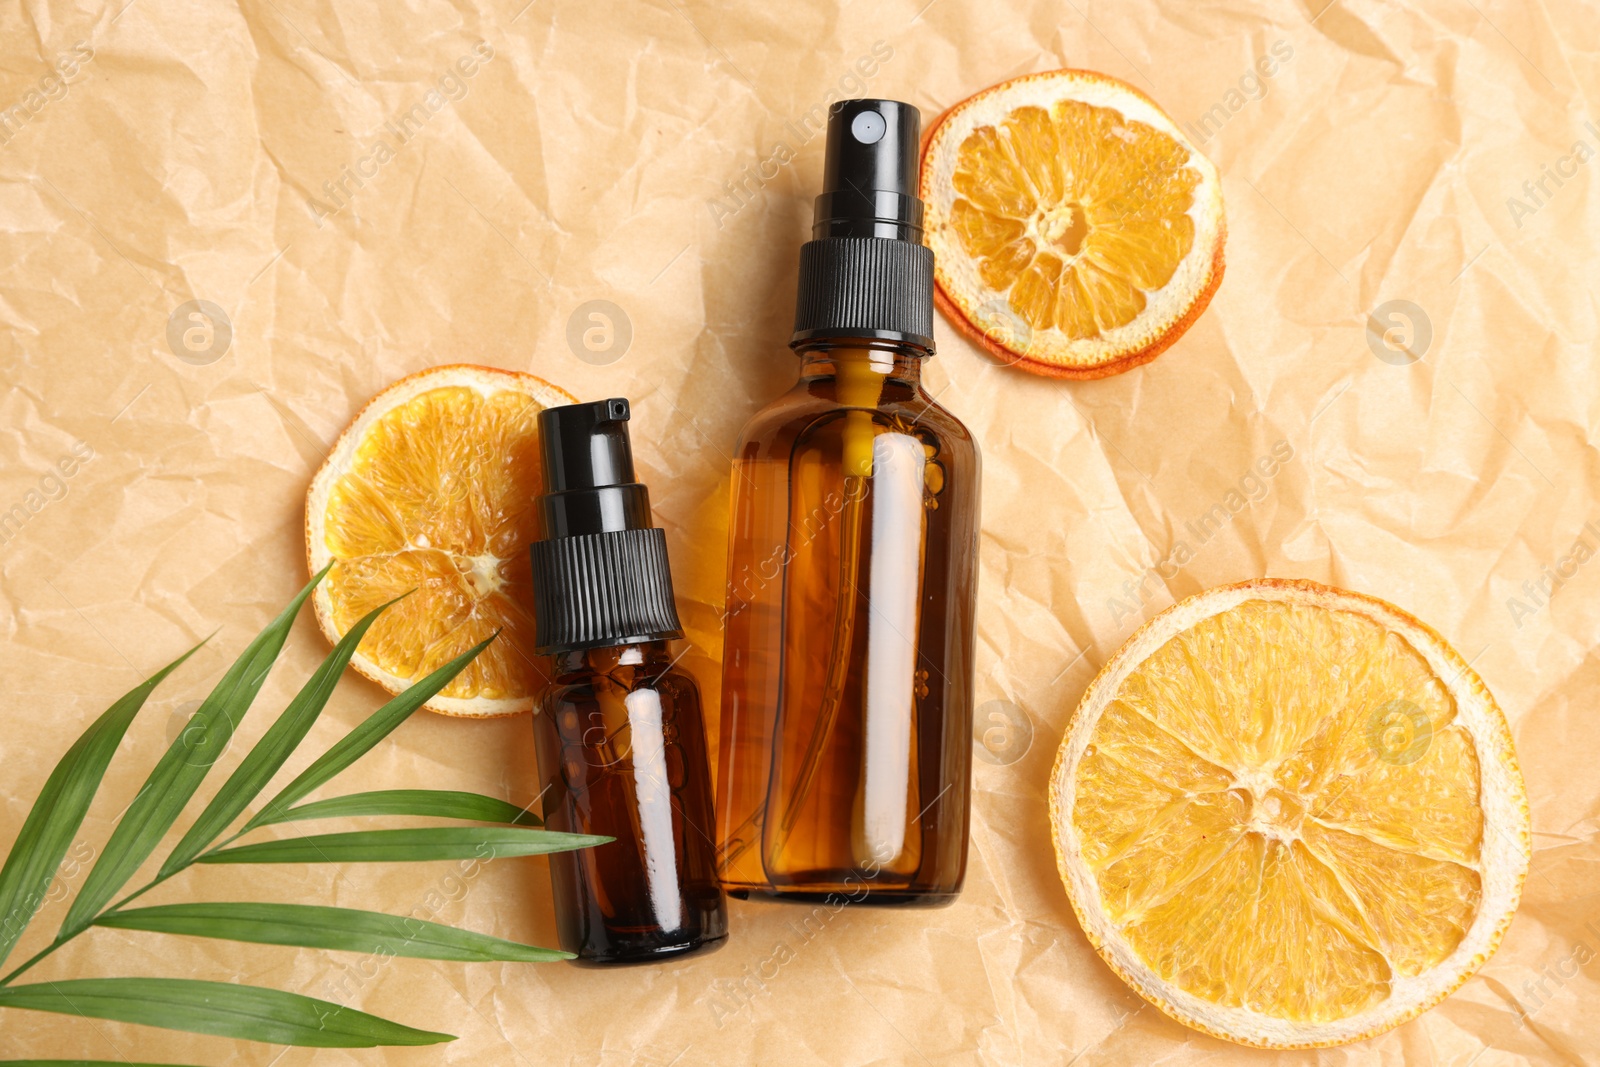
(619, 733)
(847, 663)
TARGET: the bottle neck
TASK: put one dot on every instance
(876, 361)
(569, 665)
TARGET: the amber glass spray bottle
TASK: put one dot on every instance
(619, 733)
(847, 666)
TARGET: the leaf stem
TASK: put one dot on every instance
(36, 957)
(118, 906)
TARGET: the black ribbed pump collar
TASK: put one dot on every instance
(600, 573)
(866, 273)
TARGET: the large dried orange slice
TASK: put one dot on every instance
(431, 491)
(1076, 231)
(1290, 815)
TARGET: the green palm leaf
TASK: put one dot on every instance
(179, 772)
(438, 803)
(49, 828)
(241, 1011)
(273, 750)
(346, 929)
(417, 843)
(357, 742)
(251, 1013)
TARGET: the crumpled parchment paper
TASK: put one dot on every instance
(224, 226)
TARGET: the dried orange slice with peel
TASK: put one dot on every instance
(431, 491)
(1290, 815)
(1076, 231)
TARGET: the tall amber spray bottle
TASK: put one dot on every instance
(619, 733)
(847, 667)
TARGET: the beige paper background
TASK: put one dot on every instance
(583, 161)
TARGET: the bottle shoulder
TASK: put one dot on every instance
(925, 414)
(808, 408)
(782, 416)
(675, 685)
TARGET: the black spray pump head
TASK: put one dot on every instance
(600, 574)
(866, 274)
(869, 176)
(589, 484)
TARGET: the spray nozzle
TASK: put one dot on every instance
(869, 176)
(589, 482)
(600, 574)
(865, 273)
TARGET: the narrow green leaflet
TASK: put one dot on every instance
(439, 803)
(347, 929)
(419, 843)
(179, 772)
(251, 1013)
(49, 828)
(272, 750)
(232, 1010)
(357, 742)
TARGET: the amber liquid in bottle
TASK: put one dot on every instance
(619, 734)
(622, 752)
(846, 740)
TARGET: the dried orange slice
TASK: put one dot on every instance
(432, 489)
(1290, 815)
(1076, 232)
